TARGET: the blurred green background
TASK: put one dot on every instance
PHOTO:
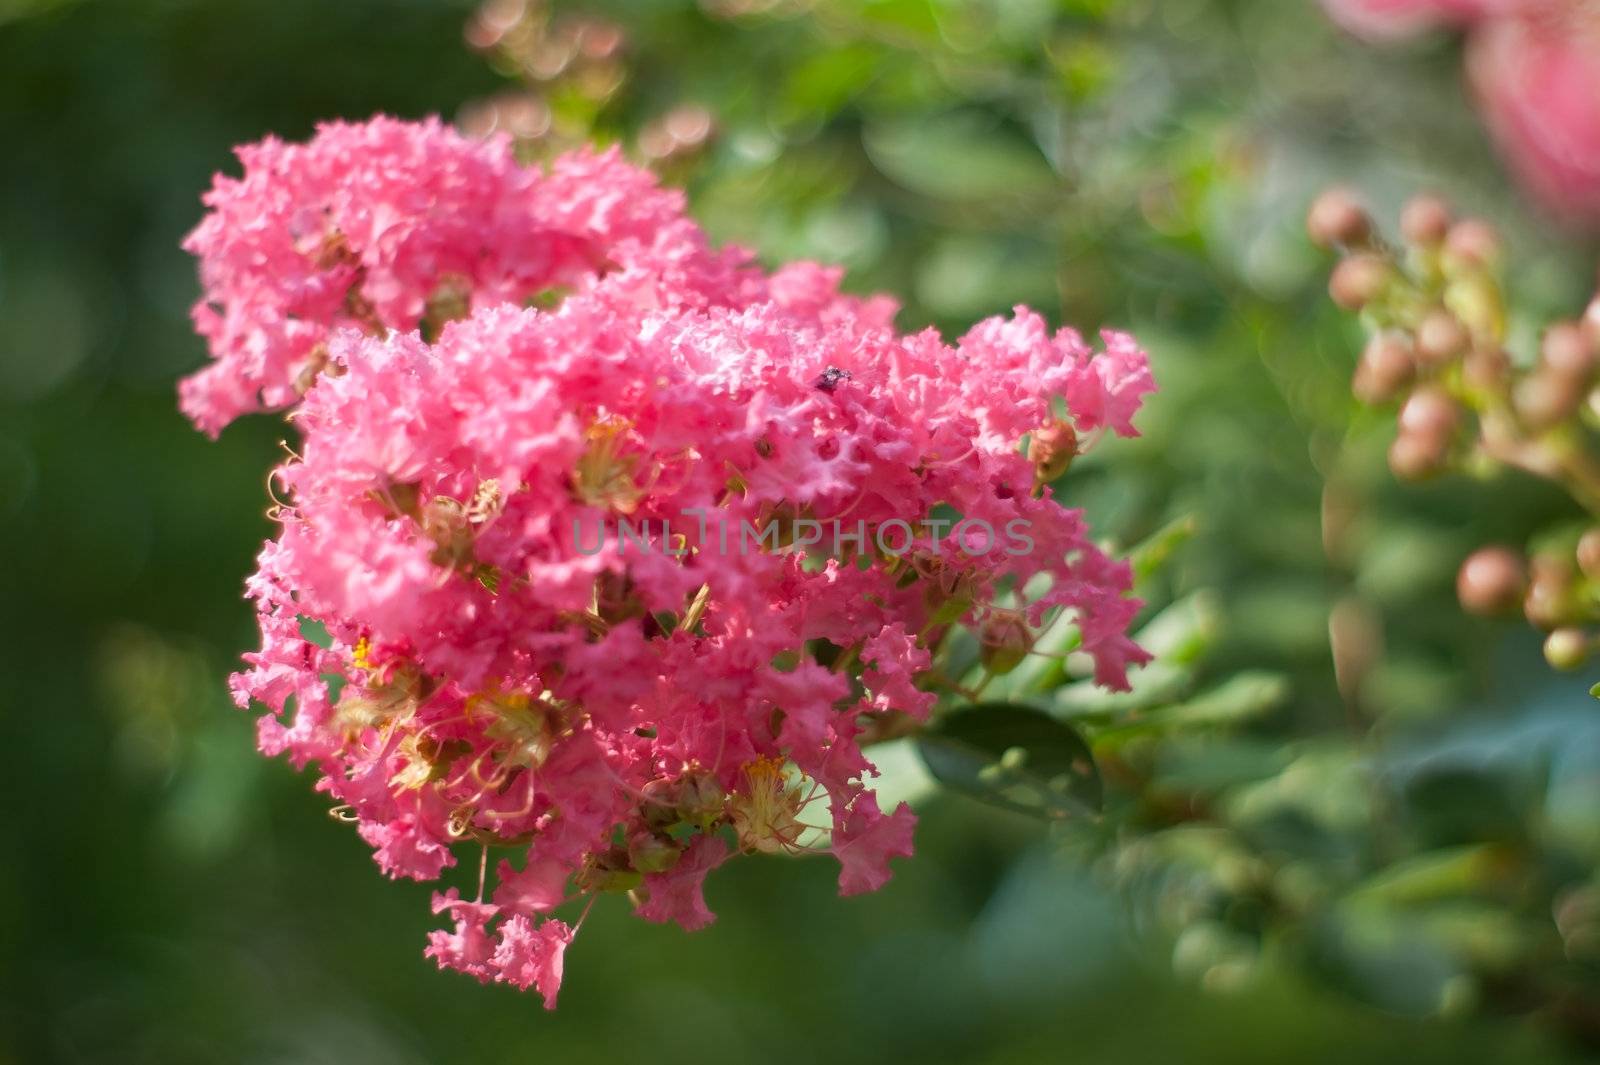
(168, 896)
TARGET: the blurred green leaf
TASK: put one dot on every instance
(1387, 964)
(1439, 874)
(1150, 556)
(1456, 804)
(1242, 697)
(1014, 757)
(959, 156)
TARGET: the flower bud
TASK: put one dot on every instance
(1589, 554)
(1336, 217)
(1566, 649)
(1385, 368)
(1472, 243)
(1051, 449)
(1577, 918)
(1415, 458)
(1491, 581)
(1359, 279)
(1487, 367)
(695, 798)
(1440, 338)
(1425, 220)
(1591, 320)
(1543, 399)
(1430, 413)
(1003, 642)
(1550, 603)
(1569, 352)
(701, 798)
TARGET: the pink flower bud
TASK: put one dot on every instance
(1386, 367)
(1425, 221)
(1492, 581)
(1337, 218)
(1359, 279)
(1440, 338)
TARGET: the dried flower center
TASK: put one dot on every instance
(766, 811)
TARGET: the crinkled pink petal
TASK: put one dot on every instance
(679, 893)
(865, 838)
(539, 887)
(530, 955)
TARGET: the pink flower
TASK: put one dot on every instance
(866, 839)
(539, 888)
(516, 951)
(679, 893)
(530, 955)
(391, 225)
(1397, 18)
(1535, 66)
(1538, 80)
(624, 711)
(468, 948)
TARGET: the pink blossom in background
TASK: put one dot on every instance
(1395, 18)
(1538, 80)
(1535, 68)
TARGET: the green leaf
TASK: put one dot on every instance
(1015, 757)
(1458, 804)
(1209, 764)
(1327, 784)
(1457, 871)
(1148, 557)
(960, 157)
(1184, 631)
(1388, 964)
(824, 83)
(1240, 698)
(1151, 685)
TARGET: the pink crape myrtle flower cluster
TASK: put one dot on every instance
(399, 225)
(463, 673)
(1535, 65)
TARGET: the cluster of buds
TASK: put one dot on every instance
(1434, 311)
(1557, 589)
